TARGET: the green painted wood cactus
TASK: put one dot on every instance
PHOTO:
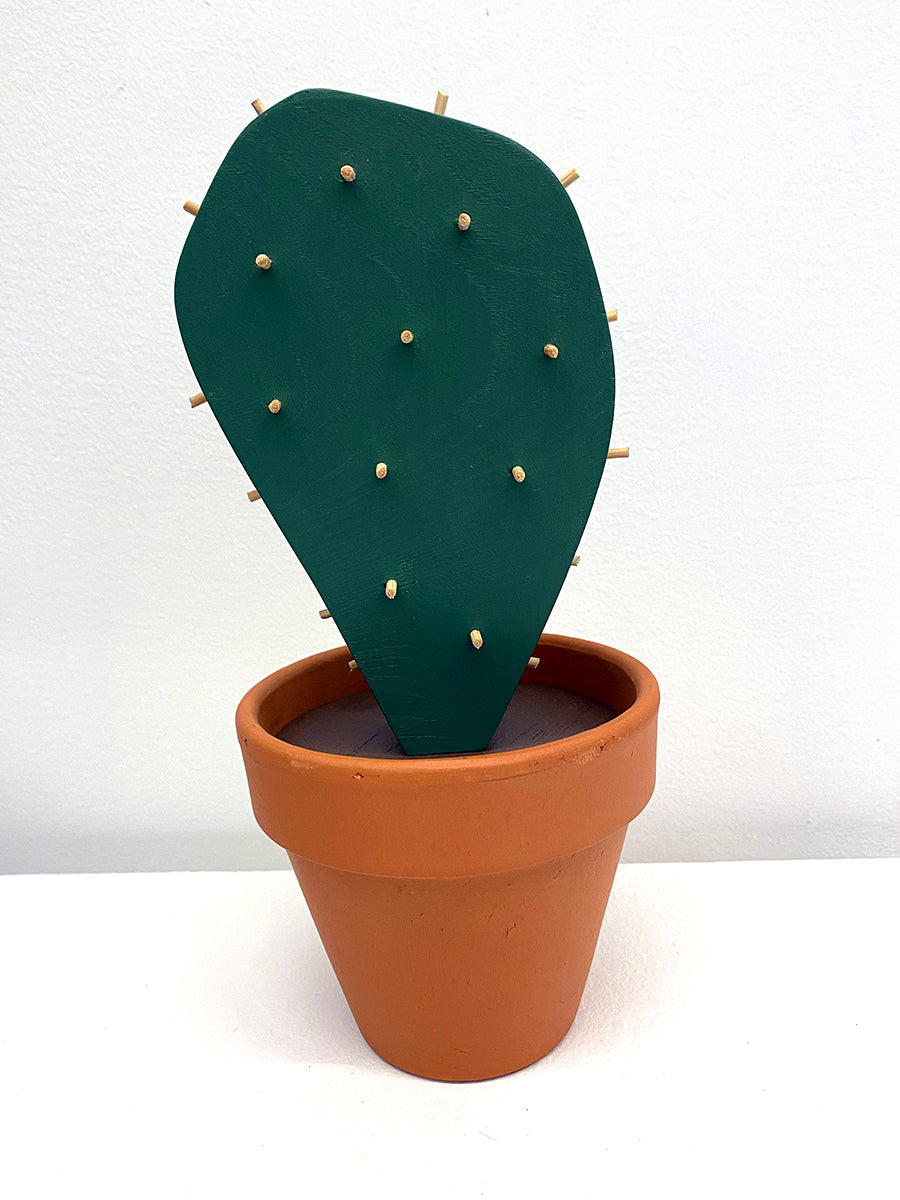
(397, 323)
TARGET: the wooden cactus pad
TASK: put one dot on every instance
(468, 544)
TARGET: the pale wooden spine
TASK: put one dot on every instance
(569, 178)
(440, 104)
(258, 106)
(197, 400)
(191, 206)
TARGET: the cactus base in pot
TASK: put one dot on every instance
(459, 898)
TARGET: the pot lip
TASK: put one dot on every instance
(266, 747)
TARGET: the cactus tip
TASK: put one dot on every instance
(274, 406)
(551, 351)
(381, 470)
(390, 589)
(263, 262)
(463, 221)
(406, 336)
(518, 474)
(476, 639)
(347, 173)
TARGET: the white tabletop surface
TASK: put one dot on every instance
(178, 1035)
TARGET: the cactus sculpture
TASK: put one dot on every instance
(397, 323)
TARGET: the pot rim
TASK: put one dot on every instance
(266, 746)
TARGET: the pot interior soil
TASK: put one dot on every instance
(355, 725)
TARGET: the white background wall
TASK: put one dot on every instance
(739, 180)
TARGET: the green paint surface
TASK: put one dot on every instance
(450, 414)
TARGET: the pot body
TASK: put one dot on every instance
(458, 898)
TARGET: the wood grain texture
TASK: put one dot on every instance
(468, 546)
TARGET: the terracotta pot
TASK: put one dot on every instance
(458, 898)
